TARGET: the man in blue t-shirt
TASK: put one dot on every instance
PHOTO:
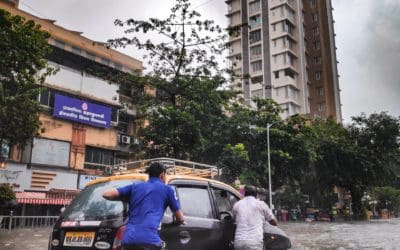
(147, 203)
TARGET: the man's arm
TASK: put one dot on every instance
(111, 194)
(179, 216)
(269, 216)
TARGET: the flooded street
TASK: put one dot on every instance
(318, 235)
(382, 234)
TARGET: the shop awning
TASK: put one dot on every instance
(42, 198)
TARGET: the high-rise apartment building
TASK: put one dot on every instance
(285, 50)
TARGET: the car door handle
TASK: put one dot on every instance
(184, 237)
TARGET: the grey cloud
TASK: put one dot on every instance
(369, 54)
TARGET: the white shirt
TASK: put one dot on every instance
(250, 215)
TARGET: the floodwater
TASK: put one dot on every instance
(380, 234)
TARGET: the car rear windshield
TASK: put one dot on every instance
(90, 204)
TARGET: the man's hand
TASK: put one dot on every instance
(273, 222)
(179, 217)
(111, 194)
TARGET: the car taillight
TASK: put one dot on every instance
(118, 238)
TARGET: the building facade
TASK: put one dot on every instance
(87, 124)
(285, 50)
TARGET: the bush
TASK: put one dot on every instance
(6, 193)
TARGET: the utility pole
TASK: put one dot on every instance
(269, 168)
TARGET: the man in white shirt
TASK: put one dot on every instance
(250, 215)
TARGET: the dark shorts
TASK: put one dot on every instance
(142, 247)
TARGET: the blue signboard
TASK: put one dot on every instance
(81, 111)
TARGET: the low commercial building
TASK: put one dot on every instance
(86, 125)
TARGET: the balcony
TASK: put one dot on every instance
(87, 85)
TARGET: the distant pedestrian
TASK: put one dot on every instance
(147, 203)
(250, 215)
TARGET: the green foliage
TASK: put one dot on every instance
(387, 197)
(186, 116)
(6, 193)
(23, 49)
(232, 161)
(289, 199)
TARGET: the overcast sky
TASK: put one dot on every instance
(368, 40)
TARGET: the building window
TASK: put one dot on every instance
(257, 79)
(315, 31)
(313, 3)
(91, 56)
(105, 61)
(277, 90)
(275, 59)
(96, 158)
(317, 45)
(255, 21)
(256, 66)
(318, 75)
(255, 36)
(76, 50)
(59, 44)
(274, 43)
(46, 98)
(289, 12)
(321, 106)
(254, 7)
(290, 73)
(288, 58)
(274, 27)
(118, 66)
(255, 51)
(317, 60)
(314, 17)
(287, 27)
(276, 73)
(320, 91)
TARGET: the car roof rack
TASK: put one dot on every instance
(174, 166)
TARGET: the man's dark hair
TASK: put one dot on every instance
(250, 190)
(155, 169)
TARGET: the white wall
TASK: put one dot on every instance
(86, 85)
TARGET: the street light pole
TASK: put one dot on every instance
(269, 168)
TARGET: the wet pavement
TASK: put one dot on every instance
(21, 239)
(380, 234)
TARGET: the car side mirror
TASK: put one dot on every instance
(226, 216)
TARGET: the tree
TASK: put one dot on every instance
(232, 162)
(6, 195)
(187, 111)
(377, 137)
(387, 197)
(23, 47)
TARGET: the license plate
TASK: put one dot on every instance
(79, 239)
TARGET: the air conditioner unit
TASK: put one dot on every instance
(126, 139)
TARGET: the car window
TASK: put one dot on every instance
(233, 198)
(224, 199)
(90, 204)
(195, 202)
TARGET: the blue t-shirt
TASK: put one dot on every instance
(147, 203)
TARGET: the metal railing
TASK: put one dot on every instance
(175, 166)
(10, 222)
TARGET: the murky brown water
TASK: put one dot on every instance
(353, 235)
(316, 235)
